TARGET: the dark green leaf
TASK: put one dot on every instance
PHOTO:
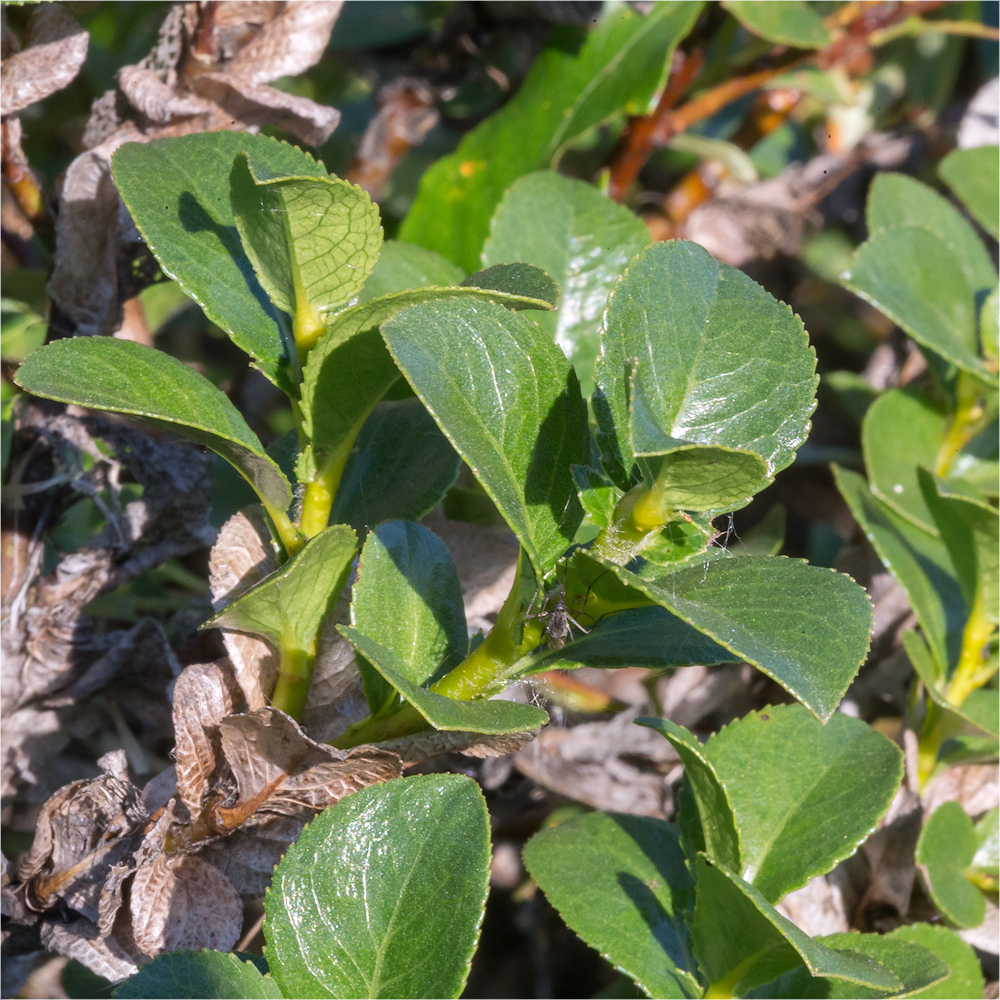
(575, 84)
(493, 716)
(510, 404)
(580, 237)
(719, 363)
(401, 465)
(407, 598)
(402, 266)
(620, 882)
(525, 280)
(788, 22)
(742, 942)
(915, 966)
(715, 824)
(805, 626)
(383, 894)
(781, 809)
(313, 240)
(641, 637)
(973, 175)
(178, 193)
(120, 375)
(198, 974)
(945, 850)
(288, 607)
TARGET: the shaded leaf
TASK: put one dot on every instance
(945, 850)
(966, 978)
(788, 22)
(196, 975)
(621, 883)
(402, 266)
(974, 176)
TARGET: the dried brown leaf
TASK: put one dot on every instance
(205, 693)
(247, 857)
(240, 559)
(423, 746)
(183, 903)
(54, 49)
(973, 786)
(80, 939)
(157, 100)
(278, 769)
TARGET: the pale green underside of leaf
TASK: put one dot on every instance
(974, 175)
(788, 22)
(119, 375)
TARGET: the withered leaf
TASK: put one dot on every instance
(423, 746)
(54, 50)
(247, 857)
(240, 559)
(80, 939)
(205, 693)
(280, 770)
(183, 902)
(83, 829)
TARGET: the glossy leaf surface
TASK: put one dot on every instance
(580, 237)
(119, 375)
(510, 404)
(695, 352)
(621, 883)
(383, 894)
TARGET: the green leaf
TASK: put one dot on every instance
(198, 974)
(918, 562)
(909, 274)
(945, 850)
(510, 404)
(288, 607)
(780, 809)
(120, 375)
(524, 280)
(897, 200)
(383, 894)
(989, 327)
(787, 22)
(402, 266)
(640, 637)
(705, 478)
(407, 598)
(902, 430)
(974, 175)
(350, 370)
(970, 530)
(401, 465)
(713, 830)
(987, 857)
(580, 237)
(575, 84)
(312, 240)
(719, 362)
(620, 882)
(178, 193)
(493, 716)
(966, 978)
(805, 626)
(915, 966)
(743, 942)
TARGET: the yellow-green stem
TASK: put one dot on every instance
(724, 989)
(639, 514)
(322, 491)
(289, 536)
(403, 722)
(966, 423)
(973, 670)
(294, 676)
